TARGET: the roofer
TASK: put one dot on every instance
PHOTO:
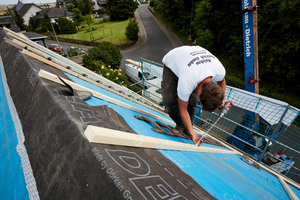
(191, 72)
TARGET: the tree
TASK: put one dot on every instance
(34, 23)
(279, 44)
(218, 29)
(153, 3)
(178, 13)
(121, 9)
(17, 18)
(47, 22)
(88, 7)
(132, 30)
(88, 20)
(66, 26)
(106, 52)
(77, 17)
(80, 6)
(8, 12)
(71, 5)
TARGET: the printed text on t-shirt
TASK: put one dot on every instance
(201, 60)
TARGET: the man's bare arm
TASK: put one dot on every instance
(222, 84)
(185, 117)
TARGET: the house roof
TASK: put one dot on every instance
(34, 36)
(54, 138)
(54, 12)
(23, 10)
(8, 21)
(101, 2)
(19, 5)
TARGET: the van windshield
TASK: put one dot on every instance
(148, 76)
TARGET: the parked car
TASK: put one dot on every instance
(55, 47)
(70, 49)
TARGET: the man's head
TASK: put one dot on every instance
(211, 96)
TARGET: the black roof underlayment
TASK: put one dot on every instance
(65, 164)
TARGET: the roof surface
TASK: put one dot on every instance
(67, 166)
(34, 36)
(55, 12)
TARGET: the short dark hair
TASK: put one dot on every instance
(211, 96)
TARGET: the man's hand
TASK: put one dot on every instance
(222, 105)
(196, 138)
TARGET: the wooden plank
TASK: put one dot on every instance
(108, 136)
(54, 78)
(133, 62)
(288, 189)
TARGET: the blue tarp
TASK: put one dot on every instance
(225, 176)
(12, 181)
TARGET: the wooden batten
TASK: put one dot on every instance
(287, 189)
(132, 62)
(33, 55)
(39, 50)
(54, 78)
(108, 136)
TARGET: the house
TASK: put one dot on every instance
(27, 10)
(99, 4)
(54, 13)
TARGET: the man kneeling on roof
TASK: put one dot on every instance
(190, 72)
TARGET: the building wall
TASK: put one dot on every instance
(30, 13)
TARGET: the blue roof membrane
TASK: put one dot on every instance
(225, 176)
(12, 181)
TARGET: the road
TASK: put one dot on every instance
(156, 44)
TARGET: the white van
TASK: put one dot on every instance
(155, 94)
(136, 75)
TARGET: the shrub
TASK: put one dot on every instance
(42, 29)
(34, 23)
(152, 3)
(66, 26)
(132, 30)
(114, 75)
(106, 52)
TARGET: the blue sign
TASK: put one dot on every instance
(248, 44)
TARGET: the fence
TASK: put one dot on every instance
(87, 42)
(265, 128)
(151, 84)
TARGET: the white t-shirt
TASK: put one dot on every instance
(192, 64)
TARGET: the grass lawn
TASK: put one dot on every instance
(109, 31)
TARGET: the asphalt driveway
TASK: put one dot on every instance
(153, 43)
